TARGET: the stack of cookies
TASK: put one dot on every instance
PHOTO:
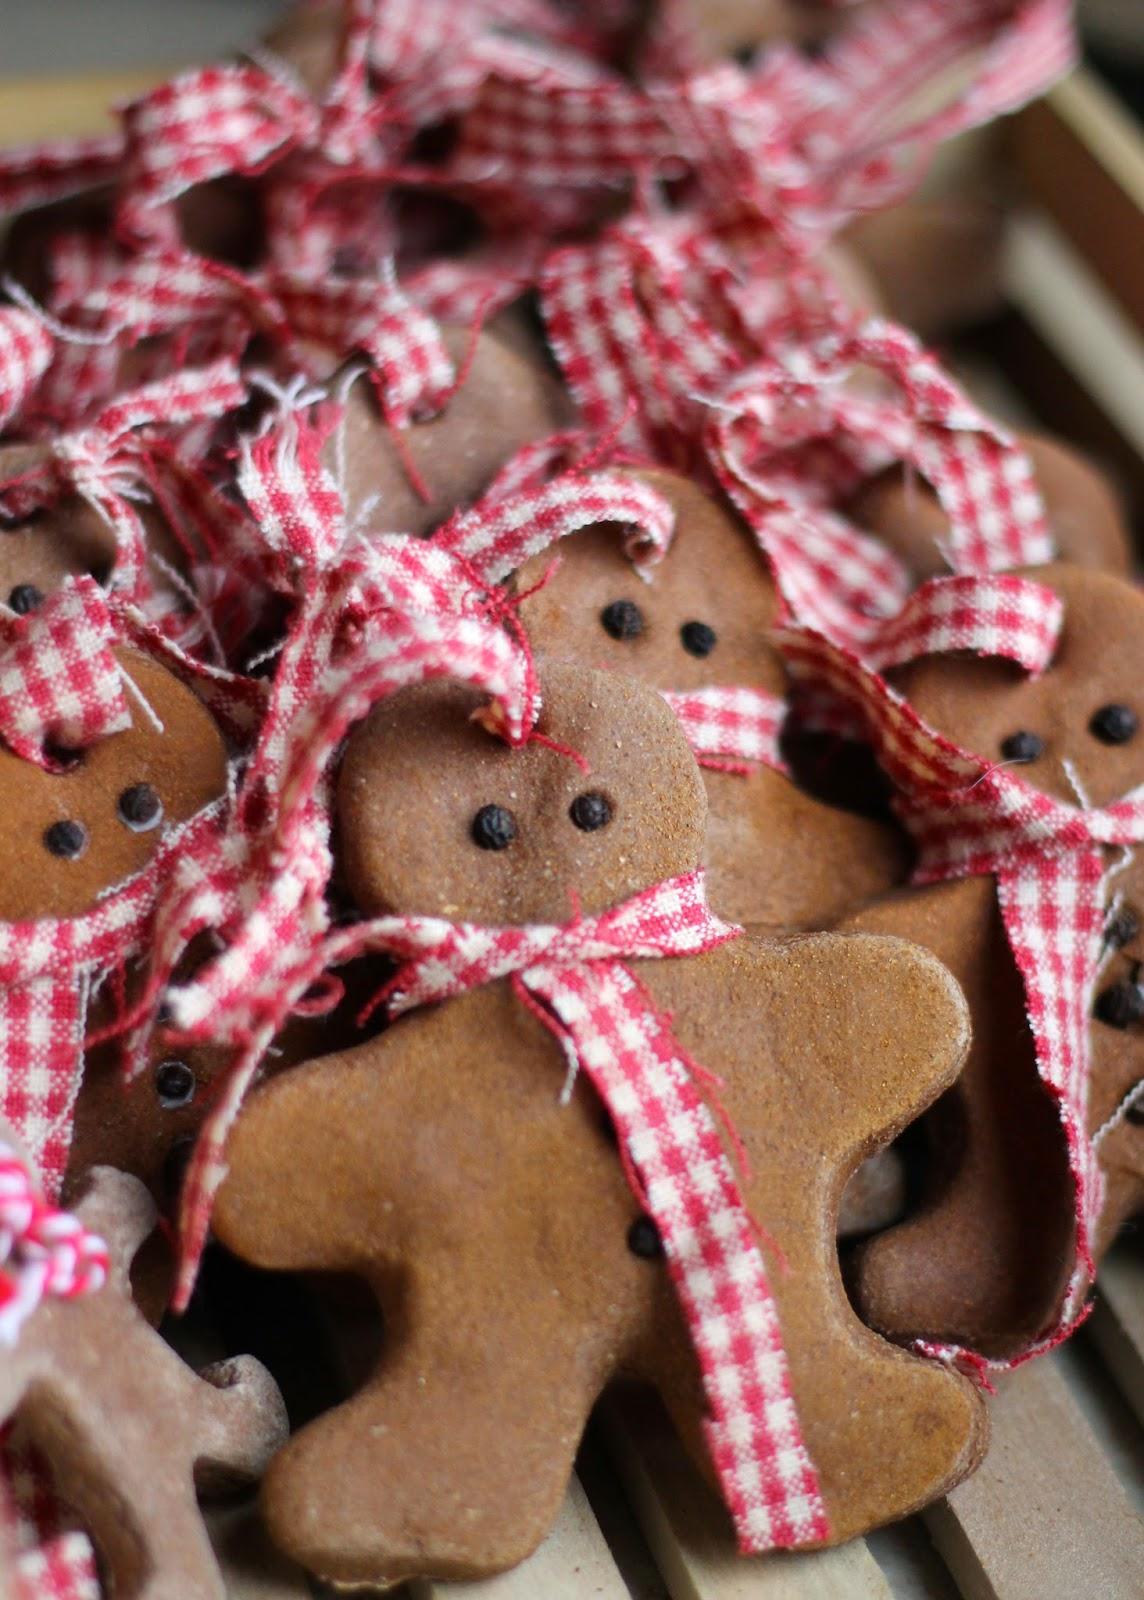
(557, 769)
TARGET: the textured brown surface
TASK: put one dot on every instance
(1084, 512)
(775, 856)
(129, 1429)
(185, 763)
(985, 1257)
(506, 400)
(491, 1221)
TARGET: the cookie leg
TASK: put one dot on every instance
(450, 1464)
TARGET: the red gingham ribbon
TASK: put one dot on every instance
(43, 1251)
(575, 977)
(26, 350)
(60, 684)
(971, 817)
(115, 460)
(732, 728)
(372, 615)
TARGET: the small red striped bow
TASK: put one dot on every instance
(44, 1252)
(575, 978)
(61, 687)
(970, 817)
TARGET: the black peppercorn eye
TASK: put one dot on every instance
(25, 597)
(623, 619)
(1023, 746)
(67, 839)
(1114, 724)
(591, 811)
(644, 1240)
(140, 808)
(493, 828)
(174, 1084)
(699, 638)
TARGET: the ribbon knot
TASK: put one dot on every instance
(61, 687)
(43, 1251)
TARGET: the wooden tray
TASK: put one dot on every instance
(1057, 1510)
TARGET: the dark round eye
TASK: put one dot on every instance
(174, 1084)
(25, 597)
(140, 808)
(623, 619)
(66, 839)
(1114, 724)
(1122, 929)
(698, 638)
(1022, 747)
(1120, 1005)
(494, 828)
(591, 811)
(644, 1240)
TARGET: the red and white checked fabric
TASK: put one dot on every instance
(117, 459)
(44, 1252)
(26, 350)
(51, 1558)
(371, 617)
(37, 174)
(574, 977)
(61, 687)
(813, 414)
(48, 969)
(969, 816)
(732, 727)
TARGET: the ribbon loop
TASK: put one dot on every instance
(44, 1252)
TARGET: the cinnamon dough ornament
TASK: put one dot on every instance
(412, 479)
(701, 622)
(489, 1212)
(985, 1259)
(130, 1431)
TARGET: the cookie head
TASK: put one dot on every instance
(439, 818)
(1076, 732)
(702, 617)
(66, 837)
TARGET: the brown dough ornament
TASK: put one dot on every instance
(514, 1271)
(1085, 514)
(129, 1429)
(776, 858)
(416, 479)
(985, 1257)
(66, 837)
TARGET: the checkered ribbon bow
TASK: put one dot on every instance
(43, 1251)
(118, 459)
(732, 728)
(61, 688)
(575, 978)
(793, 436)
(970, 817)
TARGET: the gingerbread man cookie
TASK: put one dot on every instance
(490, 1214)
(986, 1257)
(1084, 512)
(129, 1429)
(416, 478)
(775, 856)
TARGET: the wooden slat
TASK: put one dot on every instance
(1081, 157)
(688, 1533)
(573, 1563)
(1044, 1516)
(1117, 1324)
(58, 108)
(1048, 282)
